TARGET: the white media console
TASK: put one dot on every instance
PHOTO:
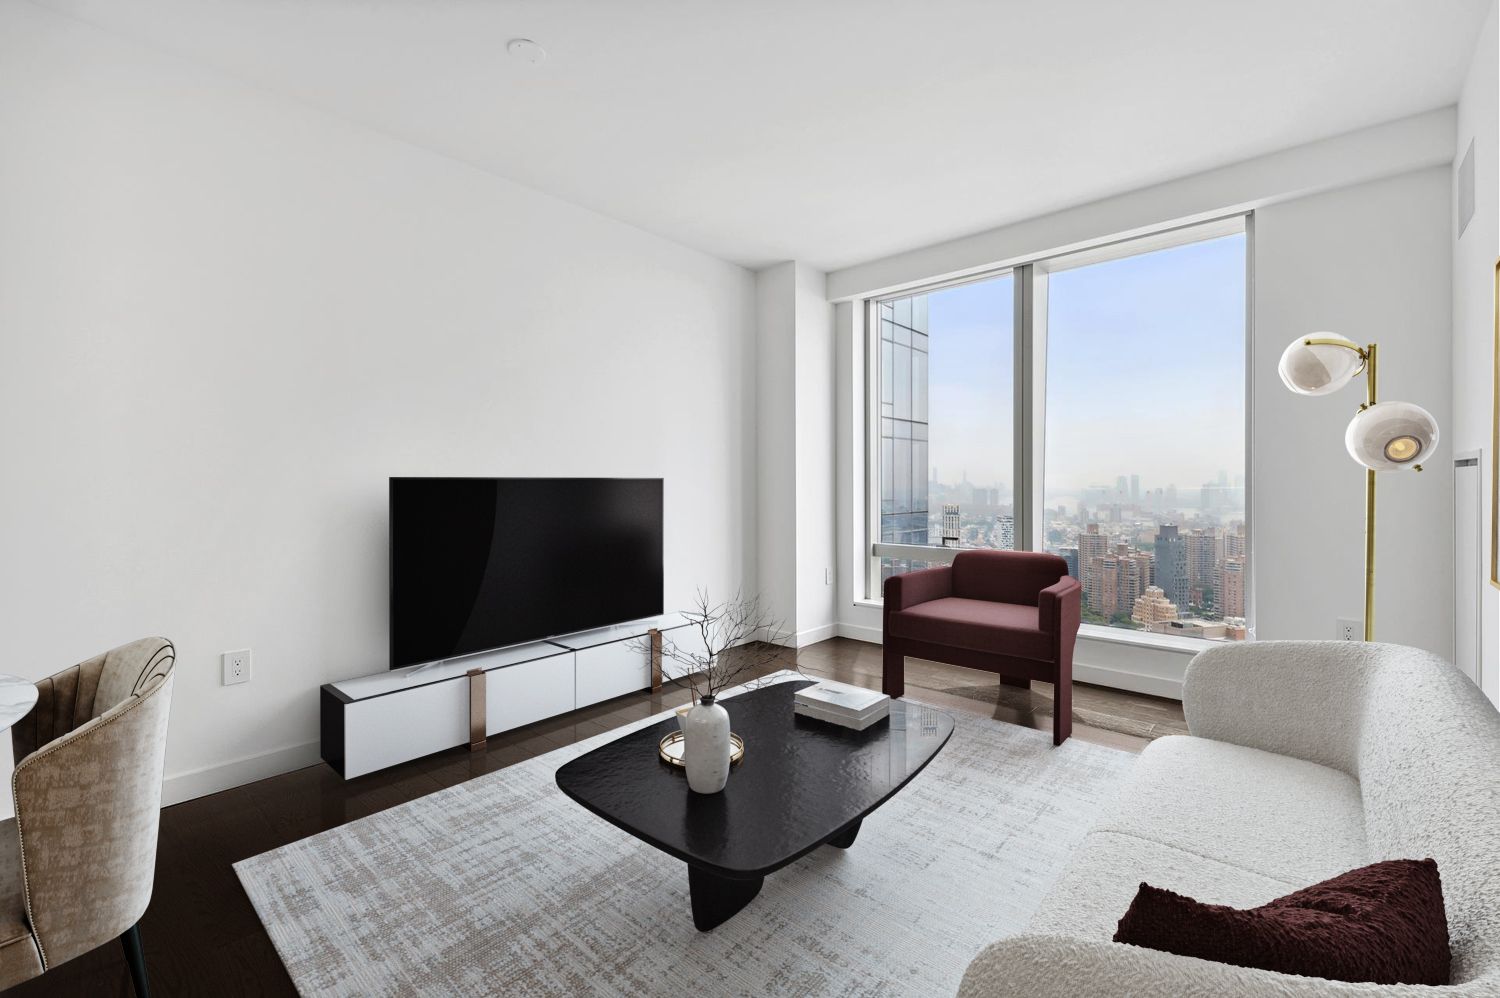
(391, 717)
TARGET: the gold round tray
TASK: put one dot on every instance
(673, 746)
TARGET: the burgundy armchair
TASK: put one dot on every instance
(1015, 613)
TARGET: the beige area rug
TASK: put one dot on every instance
(503, 886)
(1039, 699)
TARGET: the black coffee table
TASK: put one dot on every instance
(801, 784)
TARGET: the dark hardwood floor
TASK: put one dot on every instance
(202, 937)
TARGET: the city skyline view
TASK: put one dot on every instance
(1143, 442)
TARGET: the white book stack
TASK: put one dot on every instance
(839, 703)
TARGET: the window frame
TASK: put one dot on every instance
(1029, 390)
(932, 554)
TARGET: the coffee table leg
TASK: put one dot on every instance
(717, 899)
(845, 839)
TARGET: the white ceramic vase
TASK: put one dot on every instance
(705, 749)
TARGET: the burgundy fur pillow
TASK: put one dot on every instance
(1383, 924)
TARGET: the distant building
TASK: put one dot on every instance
(1202, 564)
(1070, 555)
(1092, 547)
(1200, 556)
(1230, 593)
(1107, 585)
(1135, 571)
(951, 525)
(1191, 627)
(1116, 578)
(1006, 528)
(1234, 542)
(1171, 563)
(1135, 489)
(1232, 629)
(1152, 607)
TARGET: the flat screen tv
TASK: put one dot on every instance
(480, 563)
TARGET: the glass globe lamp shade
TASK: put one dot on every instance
(1389, 436)
(1320, 368)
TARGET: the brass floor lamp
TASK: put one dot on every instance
(1382, 436)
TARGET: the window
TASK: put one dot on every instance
(1127, 456)
(946, 436)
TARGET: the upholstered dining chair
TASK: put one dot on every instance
(78, 860)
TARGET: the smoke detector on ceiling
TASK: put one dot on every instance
(526, 50)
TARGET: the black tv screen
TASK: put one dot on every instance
(479, 563)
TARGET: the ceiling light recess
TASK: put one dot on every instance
(527, 51)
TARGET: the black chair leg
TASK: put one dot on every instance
(134, 956)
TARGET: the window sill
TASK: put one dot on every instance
(1144, 639)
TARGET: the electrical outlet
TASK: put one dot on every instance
(827, 576)
(1350, 629)
(236, 667)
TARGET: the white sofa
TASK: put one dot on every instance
(1306, 759)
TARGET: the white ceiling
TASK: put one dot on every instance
(833, 131)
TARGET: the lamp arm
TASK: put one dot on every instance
(1323, 341)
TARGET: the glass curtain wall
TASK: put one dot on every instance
(1137, 436)
(946, 439)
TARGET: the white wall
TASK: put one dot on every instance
(1361, 202)
(1367, 154)
(1474, 254)
(226, 319)
(776, 444)
(1371, 262)
(795, 446)
(816, 613)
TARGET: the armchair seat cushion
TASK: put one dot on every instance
(979, 625)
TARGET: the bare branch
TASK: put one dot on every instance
(734, 643)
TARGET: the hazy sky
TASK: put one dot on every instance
(1145, 372)
(969, 382)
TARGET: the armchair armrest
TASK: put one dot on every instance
(1062, 967)
(1059, 606)
(902, 592)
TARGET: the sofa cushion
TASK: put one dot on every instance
(979, 625)
(1382, 924)
(1108, 868)
(1284, 818)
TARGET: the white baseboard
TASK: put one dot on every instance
(859, 632)
(785, 640)
(236, 773)
(813, 635)
(1134, 682)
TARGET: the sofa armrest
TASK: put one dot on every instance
(901, 592)
(1061, 967)
(1059, 606)
(1305, 699)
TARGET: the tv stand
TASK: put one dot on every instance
(377, 721)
